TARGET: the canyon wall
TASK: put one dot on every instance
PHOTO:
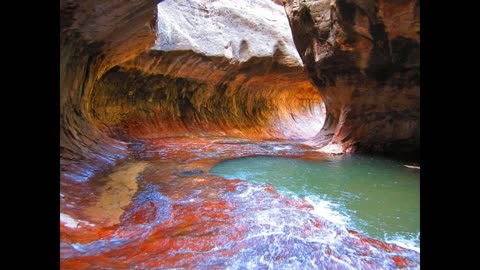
(95, 36)
(204, 68)
(221, 67)
(186, 94)
(225, 68)
(364, 57)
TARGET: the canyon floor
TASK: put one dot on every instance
(161, 209)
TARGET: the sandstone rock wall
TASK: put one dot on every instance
(122, 80)
(186, 94)
(94, 36)
(363, 55)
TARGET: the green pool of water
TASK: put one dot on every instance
(376, 196)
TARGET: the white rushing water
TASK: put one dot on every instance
(373, 196)
(339, 215)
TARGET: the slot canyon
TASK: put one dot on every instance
(157, 96)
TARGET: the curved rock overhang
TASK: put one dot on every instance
(120, 84)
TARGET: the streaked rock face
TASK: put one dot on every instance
(363, 56)
(185, 94)
(95, 36)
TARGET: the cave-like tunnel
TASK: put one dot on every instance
(153, 94)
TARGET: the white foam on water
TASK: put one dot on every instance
(284, 147)
(407, 242)
(73, 223)
(249, 191)
(326, 210)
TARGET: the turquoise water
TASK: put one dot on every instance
(376, 196)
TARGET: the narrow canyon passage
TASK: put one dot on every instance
(154, 94)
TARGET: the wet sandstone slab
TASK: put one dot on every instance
(182, 217)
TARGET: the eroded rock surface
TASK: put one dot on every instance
(95, 35)
(363, 55)
(117, 86)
